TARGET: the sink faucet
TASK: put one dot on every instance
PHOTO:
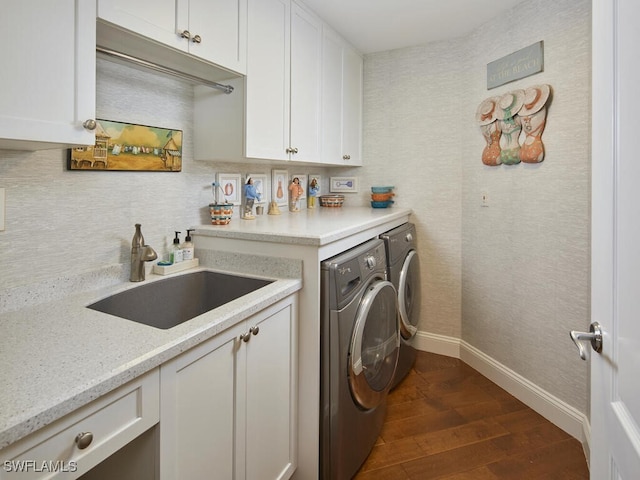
(140, 253)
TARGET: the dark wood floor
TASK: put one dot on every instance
(447, 421)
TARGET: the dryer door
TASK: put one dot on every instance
(409, 295)
(375, 343)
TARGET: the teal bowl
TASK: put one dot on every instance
(381, 189)
(381, 204)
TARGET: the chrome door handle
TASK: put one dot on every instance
(594, 336)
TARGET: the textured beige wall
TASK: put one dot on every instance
(511, 279)
(61, 222)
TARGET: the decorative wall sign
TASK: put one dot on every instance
(343, 184)
(502, 120)
(515, 66)
(128, 147)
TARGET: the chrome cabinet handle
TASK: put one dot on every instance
(185, 34)
(594, 336)
(196, 39)
(84, 439)
(90, 124)
(292, 150)
(245, 337)
(254, 330)
(346, 157)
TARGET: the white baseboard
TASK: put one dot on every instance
(566, 417)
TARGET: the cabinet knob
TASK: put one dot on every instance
(185, 34)
(254, 330)
(196, 39)
(245, 337)
(90, 124)
(346, 157)
(84, 439)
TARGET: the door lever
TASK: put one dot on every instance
(594, 336)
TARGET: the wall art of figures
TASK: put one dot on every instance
(512, 126)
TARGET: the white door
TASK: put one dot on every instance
(615, 389)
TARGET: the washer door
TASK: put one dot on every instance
(409, 295)
(375, 342)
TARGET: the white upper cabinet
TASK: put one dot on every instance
(48, 80)
(283, 82)
(306, 78)
(301, 99)
(213, 30)
(342, 71)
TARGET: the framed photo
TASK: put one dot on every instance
(343, 184)
(280, 187)
(302, 178)
(128, 147)
(230, 188)
(261, 183)
(313, 189)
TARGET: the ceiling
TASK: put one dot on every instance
(379, 25)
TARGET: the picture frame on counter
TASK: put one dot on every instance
(303, 179)
(280, 187)
(231, 187)
(315, 181)
(261, 182)
(343, 184)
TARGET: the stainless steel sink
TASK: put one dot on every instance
(172, 301)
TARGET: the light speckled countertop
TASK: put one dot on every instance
(319, 226)
(57, 355)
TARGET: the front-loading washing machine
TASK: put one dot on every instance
(360, 342)
(403, 271)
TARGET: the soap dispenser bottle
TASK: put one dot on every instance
(187, 246)
(176, 252)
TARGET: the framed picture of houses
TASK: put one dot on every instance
(128, 147)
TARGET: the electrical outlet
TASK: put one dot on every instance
(484, 199)
(2, 209)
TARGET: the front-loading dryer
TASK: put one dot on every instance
(403, 269)
(360, 341)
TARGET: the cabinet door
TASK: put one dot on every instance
(306, 78)
(341, 101)
(352, 106)
(332, 48)
(222, 28)
(197, 433)
(48, 80)
(267, 81)
(155, 19)
(271, 404)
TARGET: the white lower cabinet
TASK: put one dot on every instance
(229, 405)
(81, 440)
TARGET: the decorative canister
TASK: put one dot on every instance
(335, 201)
(221, 213)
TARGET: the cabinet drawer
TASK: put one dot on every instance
(114, 420)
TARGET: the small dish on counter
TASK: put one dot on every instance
(384, 204)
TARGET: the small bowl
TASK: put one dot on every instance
(381, 204)
(381, 197)
(331, 200)
(381, 189)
